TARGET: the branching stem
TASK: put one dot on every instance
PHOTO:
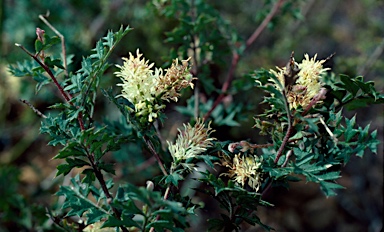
(236, 56)
(66, 96)
(42, 17)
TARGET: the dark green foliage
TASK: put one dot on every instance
(321, 149)
(18, 212)
(312, 144)
(238, 202)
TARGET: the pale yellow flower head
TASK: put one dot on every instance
(310, 75)
(244, 169)
(145, 88)
(308, 81)
(192, 141)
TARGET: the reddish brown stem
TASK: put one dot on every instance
(165, 198)
(62, 38)
(66, 96)
(289, 130)
(90, 156)
(236, 56)
(226, 85)
(284, 143)
(264, 24)
(154, 153)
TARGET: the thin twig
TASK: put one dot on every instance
(289, 153)
(289, 130)
(99, 176)
(226, 85)
(42, 17)
(319, 96)
(90, 156)
(165, 198)
(236, 56)
(195, 66)
(328, 130)
(372, 59)
(264, 24)
(154, 153)
(33, 108)
(66, 96)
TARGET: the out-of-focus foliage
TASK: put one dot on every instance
(210, 32)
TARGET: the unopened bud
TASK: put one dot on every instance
(40, 34)
(150, 185)
(232, 147)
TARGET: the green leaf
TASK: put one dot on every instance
(131, 208)
(109, 168)
(63, 169)
(71, 163)
(328, 188)
(70, 150)
(215, 224)
(160, 225)
(99, 50)
(208, 159)
(89, 176)
(349, 85)
(228, 121)
(52, 63)
(50, 41)
(38, 46)
(350, 132)
(126, 221)
(95, 215)
(329, 176)
(174, 178)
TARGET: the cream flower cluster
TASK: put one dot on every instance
(308, 83)
(244, 169)
(146, 88)
(192, 141)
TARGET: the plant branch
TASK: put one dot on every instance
(265, 22)
(90, 157)
(42, 17)
(195, 66)
(66, 96)
(154, 153)
(99, 176)
(33, 108)
(236, 56)
(315, 99)
(366, 67)
(165, 198)
(289, 130)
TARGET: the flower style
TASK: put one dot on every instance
(191, 141)
(308, 83)
(146, 88)
(244, 168)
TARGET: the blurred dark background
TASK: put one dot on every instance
(354, 29)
